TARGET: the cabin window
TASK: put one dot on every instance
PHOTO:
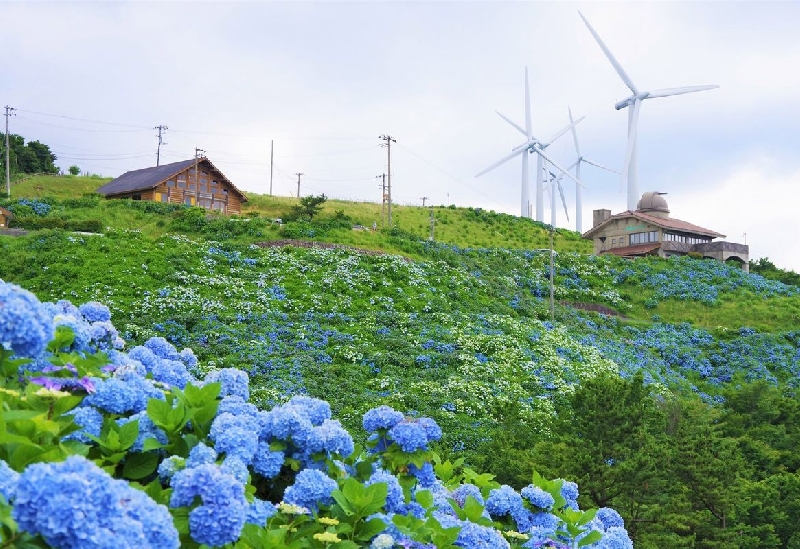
(205, 203)
(181, 184)
(181, 177)
(644, 238)
(188, 200)
(191, 186)
(204, 180)
(136, 197)
(171, 183)
(203, 188)
(613, 241)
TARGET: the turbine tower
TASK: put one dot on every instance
(553, 182)
(532, 145)
(635, 102)
(577, 166)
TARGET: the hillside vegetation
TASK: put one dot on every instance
(460, 330)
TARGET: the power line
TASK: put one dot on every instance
(84, 119)
(79, 129)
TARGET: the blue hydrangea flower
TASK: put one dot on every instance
(236, 406)
(93, 311)
(234, 466)
(189, 359)
(288, 422)
(569, 491)
(382, 417)
(426, 476)
(609, 517)
(266, 462)
(234, 436)
(432, 429)
(222, 514)
(26, 326)
(315, 410)
(75, 504)
(259, 511)
(332, 438)
(170, 466)
(201, 455)
(395, 500)
(233, 382)
(80, 329)
(538, 497)
(8, 481)
(383, 541)
(162, 348)
(171, 372)
(475, 535)
(409, 435)
(311, 488)
(461, 493)
(123, 393)
(144, 355)
(615, 537)
(90, 421)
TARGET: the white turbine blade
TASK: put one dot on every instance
(519, 128)
(667, 92)
(631, 140)
(596, 165)
(502, 161)
(541, 153)
(527, 107)
(563, 131)
(563, 200)
(620, 71)
(574, 133)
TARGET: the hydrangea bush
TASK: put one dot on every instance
(146, 448)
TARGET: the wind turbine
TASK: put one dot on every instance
(635, 102)
(577, 166)
(553, 182)
(532, 145)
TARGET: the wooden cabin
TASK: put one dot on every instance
(5, 216)
(195, 182)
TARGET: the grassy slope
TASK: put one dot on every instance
(464, 228)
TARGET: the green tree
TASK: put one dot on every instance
(74, 170)
(309, 206)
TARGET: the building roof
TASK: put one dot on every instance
(636, 249)
(149, 178)
(8, 213)
(671, 224)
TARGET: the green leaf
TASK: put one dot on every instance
(139, 466)
(346, 544)
(590, 538)
(24, 455)
(370, 529)
(128, 434)
(341, 499)
(425, 498)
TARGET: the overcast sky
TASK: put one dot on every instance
(323, 80)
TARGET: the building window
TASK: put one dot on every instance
(171, 183)
(137, 197)
(188, 200)
(181, 177)
(613, 241)
(191, 186)
(644, 238)
(181, 184)
(164, 197)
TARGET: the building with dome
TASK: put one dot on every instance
(651, 231)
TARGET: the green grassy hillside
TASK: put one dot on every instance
(460, 330)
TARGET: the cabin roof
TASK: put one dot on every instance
(149, 178)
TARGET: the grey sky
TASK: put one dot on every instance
(324, 79)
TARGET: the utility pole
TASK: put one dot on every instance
(161, 128)
(9, 112)
(433, 222)
(383, 198)
(298, 174)
(389, 140)
(424, 198)
(552, 289)
(198, 154)
(271, 162)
